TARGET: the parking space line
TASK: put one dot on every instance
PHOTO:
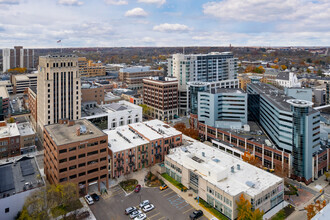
(188, 210)
(184, 206)
(168, 193)
(116, 193)
(163, 191)
(161, 218)
(154, 215)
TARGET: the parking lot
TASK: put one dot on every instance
(168, 204)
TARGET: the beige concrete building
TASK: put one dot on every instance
(23, 81)
(27, 137)
(58, 90)
(87, 68)
(220, 178)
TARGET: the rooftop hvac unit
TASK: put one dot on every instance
(232, 169)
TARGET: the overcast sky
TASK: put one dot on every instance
(117, 23)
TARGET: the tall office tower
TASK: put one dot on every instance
(303, 145)
(210, 67)
(293, 126)
(17, 57)
(58, 90)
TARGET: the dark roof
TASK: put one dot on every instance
(283, 76)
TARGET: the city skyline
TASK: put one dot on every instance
(117, 23)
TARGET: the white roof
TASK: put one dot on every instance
(123, 138)
(4, 92)
(9, 130)
(215, 166)
(25, 129)
(163, 128)
(146, 131)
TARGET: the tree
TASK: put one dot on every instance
(250, 158)
(11, 120)
(180, 126)
(313, 209)
(327, 175)
(283, 67)
(245, 211)
(146, 109)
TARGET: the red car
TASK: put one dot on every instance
(137, 188)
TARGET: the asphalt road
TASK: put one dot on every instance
(168, 205)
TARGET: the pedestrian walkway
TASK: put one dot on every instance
(189, 198)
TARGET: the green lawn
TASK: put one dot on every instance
(128, 185)
(284, 213)
(173, 181)
(212, 210)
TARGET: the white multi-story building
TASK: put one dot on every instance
(212, 67)
(220, 178)
(110, 116)
(287, 79)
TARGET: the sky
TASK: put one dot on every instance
(126, 23)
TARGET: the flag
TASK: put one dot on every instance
(59, 41)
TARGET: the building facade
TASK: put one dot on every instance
(140, 145)
(220, 179)
(27, 137)
(21, 82)
(9, 140)
(110, 116)
(59, 90)
(87, 68)
(270, 108)
(92, 93)
(223, 108)
(161, 95)
(133, 76)
(32, 105)
(76, 151)
(287, 79)
(212, 67)
(4, 102)
(17, 57)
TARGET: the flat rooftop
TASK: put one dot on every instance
(109, 108)
(148, 132)
(123, 138)
(216, 167)
(25, 129)
(19, 176)
(163, 128)
(9, 130)
(63, 134)
(25, 77)
(4, 92)
(226, 90)
(274, 96)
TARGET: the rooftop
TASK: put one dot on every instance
(226, 172)
(274, 96)
(25, 77)
(25, 129)
(4, 92)
(109, 108)
(147, 131)
(63, 134)
(123, 138)
(8, 130)
(283, 76)
(163, 128)
(226, 90)
(19, 176)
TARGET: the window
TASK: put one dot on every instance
(6, 210)
(72, 167)
(92, 144)
(103, 158)
(103, 150)
(72, 148)
(82, 165)
(81, 155)
(103, 141)
(81, 146)
(92, 153)
(73, 176)
(72, 158)
(63, 151)
(82, 174)
(63, 170)
(63, 160)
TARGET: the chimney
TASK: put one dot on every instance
(70, 123)
(78, 131)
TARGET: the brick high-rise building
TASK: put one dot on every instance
(161, 95)
(76, 151)
(17, 57)
(59, 90)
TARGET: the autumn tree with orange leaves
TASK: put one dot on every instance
(245, 211)
(193, 133)
(313, 209)
(250, 158)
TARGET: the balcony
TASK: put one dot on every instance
(120, 159)
(119, 168)
(131, 164)
(144, 160)
(158, 155)
(144, 152)
(131, 155)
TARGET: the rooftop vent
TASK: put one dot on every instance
(232, 169)
(216, 160)
(238, 167)
(203, 154)
(250, 184)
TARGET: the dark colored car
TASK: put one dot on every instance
(95, 197)
(137, 188)
(196, 214)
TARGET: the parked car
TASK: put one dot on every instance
(141, 217)
(89, 199)
(137, 188)
(144, 203)
(95, 197)
(148, 207)
(162, 187)
(196, 214)
(135, 213)
(129, 210)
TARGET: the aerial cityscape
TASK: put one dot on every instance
(164, 109)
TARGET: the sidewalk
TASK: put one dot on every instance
(189, 199)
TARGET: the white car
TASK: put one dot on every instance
(141, 217)
(144, 203)
(148, 207)
(89, 199)
(135, 213)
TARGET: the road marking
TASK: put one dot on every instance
(115, 193)
(188, 210)
(168, 193)
(184, 206)
(154, 215)
(162, 191)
